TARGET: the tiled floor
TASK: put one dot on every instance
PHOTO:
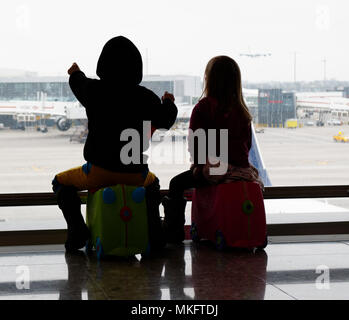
(283, 271)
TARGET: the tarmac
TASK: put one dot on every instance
(30, 159)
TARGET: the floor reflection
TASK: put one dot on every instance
(230, 275)
(77, 281)
(180, 273)
(284, 271)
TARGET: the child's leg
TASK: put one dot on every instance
(181, 182)
(153, 200)
(69, 202)
(174, 204)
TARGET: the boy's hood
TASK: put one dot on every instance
(121, 62)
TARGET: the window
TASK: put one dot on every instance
(292, 56)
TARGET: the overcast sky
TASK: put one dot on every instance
(179, 37)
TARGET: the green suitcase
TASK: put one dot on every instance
(117, 219)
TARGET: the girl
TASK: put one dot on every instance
(221, 107)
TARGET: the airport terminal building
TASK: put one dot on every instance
(269, 107)
(275, 107)
(29, 87)
(23, 86)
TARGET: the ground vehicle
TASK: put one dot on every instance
(259, 130)
(79, 135)
(334, 122)
(291, 123)
(340, 137)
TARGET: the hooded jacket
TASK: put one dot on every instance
(117, 102)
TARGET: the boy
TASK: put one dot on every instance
(114, 103)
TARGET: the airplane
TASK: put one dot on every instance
(251, 54)
(63, 112)
(255, 55)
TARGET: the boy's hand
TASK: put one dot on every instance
(73, 68)
(168, 96)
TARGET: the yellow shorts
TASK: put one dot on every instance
(89, 177)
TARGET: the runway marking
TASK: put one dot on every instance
(37, 168)
(323, 163)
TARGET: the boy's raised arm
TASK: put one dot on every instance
(79, 84)
(166, 113)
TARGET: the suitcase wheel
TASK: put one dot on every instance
(194, 233)
(220, 241)
(264, 245)
(99, 248)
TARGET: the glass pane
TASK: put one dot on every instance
(293, 61)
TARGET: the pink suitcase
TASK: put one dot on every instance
(230, 214)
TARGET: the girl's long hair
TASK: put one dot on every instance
(223, 82)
